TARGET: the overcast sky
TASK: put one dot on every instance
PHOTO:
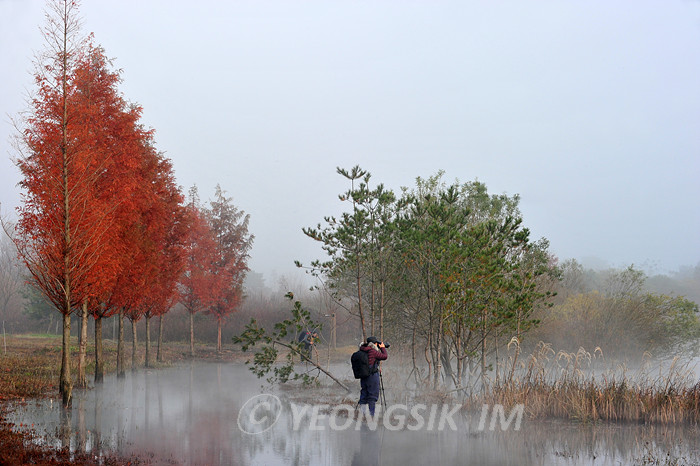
(589, 110)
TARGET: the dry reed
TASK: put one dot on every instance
(574, 386)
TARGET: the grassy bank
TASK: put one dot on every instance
(30, 368)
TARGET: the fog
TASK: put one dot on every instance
(195, 414)
(588, 110)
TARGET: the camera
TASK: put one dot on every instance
(376, 341)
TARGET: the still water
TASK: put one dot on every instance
(219, 414)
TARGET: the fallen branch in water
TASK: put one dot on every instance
(265, 359)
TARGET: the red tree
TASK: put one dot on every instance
(62, 225)
(199, 284)
(115, 142)
(233, 242)
(163, 244)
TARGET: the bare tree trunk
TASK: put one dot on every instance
(159, 356)
(191, 334)
(218, 337)
(133, 344)
(148, 341)
(371, 305)
(381, 310)
(483, 350)
(359, 300)
(120, 345)
(334, 332)
(438, 349)
(82, 346)
(413, 352)
(65, 381)
(458, 352)
(99, 363)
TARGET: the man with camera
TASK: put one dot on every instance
(308, 339)
(376, 351)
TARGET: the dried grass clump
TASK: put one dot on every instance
(577, 386)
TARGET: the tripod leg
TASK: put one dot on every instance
(382, 394)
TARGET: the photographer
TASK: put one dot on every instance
(376, 351)
(308, 340)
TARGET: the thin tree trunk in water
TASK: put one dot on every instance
(381, 310)
(120, 345)
(413, 353)
(133, 345)
(148, 341)
(65, 381)
(458, 351)
(99, 364)
(371, 306)
(82, 346)
(483, 351)
(191, 334)
(445, 357)
(438, 350)
(159, 357)
(359, 301)
(218, 337)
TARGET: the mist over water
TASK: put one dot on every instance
(189, 414)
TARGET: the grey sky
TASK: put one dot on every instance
(589, 110)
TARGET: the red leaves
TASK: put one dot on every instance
(102, 218)
(217, 255)
(201, 281)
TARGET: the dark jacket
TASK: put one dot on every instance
(373, 355)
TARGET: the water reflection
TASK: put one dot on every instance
(192, 415)
(368, 453)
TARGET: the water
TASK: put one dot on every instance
(200, 413)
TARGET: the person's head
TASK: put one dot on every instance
(374, 340)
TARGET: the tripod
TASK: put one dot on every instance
(382, 395)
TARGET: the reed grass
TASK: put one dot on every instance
(582, 386)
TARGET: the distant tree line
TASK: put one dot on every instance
(624, 312)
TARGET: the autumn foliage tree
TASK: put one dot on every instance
(101, 224)
(60, 227)
(199, 282)
(121, 148)
(217, 254)
(165, 225)
(229, 226)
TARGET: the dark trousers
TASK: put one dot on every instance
(369, 394)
